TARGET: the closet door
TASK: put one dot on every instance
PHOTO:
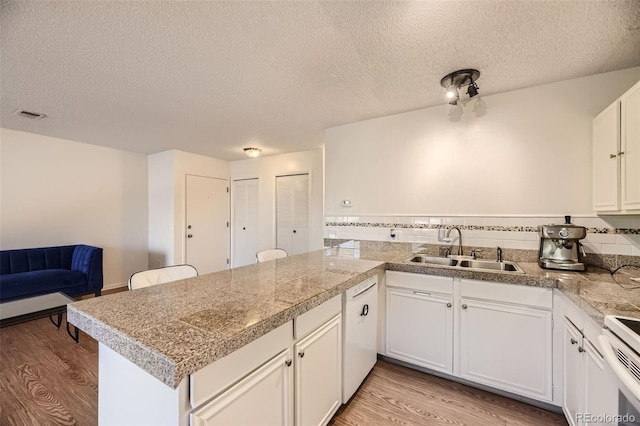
(245, 221)
(292, 213)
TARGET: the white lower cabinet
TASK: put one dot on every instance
(495, 334)
(261, 398)
(420, 328)
(318, 374)
(590, 395)
(506, 346)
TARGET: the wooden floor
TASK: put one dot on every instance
(47, 379)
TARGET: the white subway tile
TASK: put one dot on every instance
(492, 221)
(455, 220)
(530, 245)
(514, 221)
(616, 249)
(513, 244)
(421, 220)
(588, 222)
(592, 247)
(536, 221)
(623, 222)
(635, 251)
(635, 222)
(555, 220)
(404, 219)
(473, 221)
(436, 220)
(601, 238)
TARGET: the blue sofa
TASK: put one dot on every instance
(74, 270)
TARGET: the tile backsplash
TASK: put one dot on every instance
(619, 235)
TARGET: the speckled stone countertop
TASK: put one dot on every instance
(173, 330)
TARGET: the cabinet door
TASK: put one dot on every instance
(601, 390)
(262, 398)
(419, 328)
(507, 347)
(572, 366)
(606, 162)
(630, 149)
(318, 374)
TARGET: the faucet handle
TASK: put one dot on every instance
(447, 251)
(474, 251)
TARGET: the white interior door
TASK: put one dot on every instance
(292, 213)
(207, 233)
(245, 221)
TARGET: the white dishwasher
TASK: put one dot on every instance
(360, 321)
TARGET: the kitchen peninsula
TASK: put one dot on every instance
(171, 333)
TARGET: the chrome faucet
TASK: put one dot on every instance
(459, 238)
(499, 254)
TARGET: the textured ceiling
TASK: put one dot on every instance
(213, 77)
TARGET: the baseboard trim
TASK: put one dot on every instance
(113, 286)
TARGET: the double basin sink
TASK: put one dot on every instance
(467, 262)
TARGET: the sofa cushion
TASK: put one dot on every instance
(25, 260)
(39, 282)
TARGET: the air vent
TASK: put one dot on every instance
(30, 114)
(622, 357)
(633, 368)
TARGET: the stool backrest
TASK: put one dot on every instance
(270, 254)
(161, 275)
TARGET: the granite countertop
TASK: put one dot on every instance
(173, 330)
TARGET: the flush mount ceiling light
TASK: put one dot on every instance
(252, 152)
(454, 81)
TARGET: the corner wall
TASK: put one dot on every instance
(58, 192)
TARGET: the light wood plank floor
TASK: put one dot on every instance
(47, 379)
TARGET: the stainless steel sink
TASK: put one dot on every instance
(490, 265)
(433, 260)
(480, 265)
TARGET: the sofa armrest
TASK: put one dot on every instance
(88, 259)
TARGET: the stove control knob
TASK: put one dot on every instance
(563, 233)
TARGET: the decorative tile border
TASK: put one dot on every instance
(622, 231)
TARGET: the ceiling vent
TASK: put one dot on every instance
(29, 114)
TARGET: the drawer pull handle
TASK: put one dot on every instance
(365, 311)
(421, 293)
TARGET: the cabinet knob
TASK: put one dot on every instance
(301, 354)
(573, 341)
(189, 236)
(244, 228)
(612, 155)
(448, 305)
(294, 231)
(464, 306)
(580, 349)
(288, 363)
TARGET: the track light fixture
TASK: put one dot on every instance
(454, 81)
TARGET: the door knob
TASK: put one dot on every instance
(189, 235)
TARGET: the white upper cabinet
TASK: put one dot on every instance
(616, 155)
(629, 153)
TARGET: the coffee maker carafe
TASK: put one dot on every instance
(560, 246)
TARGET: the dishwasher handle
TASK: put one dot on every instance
(363, 291)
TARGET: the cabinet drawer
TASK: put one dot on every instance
(310, 320)
(423, 282)
(223, 373)
(509, 293)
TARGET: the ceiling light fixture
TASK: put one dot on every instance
(454, 81)
(252, 152)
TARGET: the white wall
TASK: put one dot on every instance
(529, 154)
(59, 192)
(266, 169)
(167, 185)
